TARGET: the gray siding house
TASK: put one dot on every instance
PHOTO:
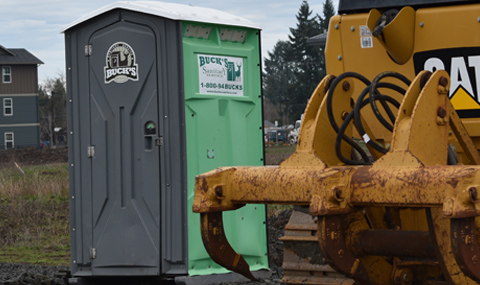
(19, 113)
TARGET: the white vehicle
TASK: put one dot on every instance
(293, 136)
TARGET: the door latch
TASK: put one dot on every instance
(93, 253)
(159, 141)
(88, 50)
(91, 151)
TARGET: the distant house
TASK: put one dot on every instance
(267, 125)
(19, 112)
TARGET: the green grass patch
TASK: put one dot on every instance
(34, 218)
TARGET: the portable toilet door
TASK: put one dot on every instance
(126, 220)
(123, 131)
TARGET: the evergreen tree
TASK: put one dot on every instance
(294, 68)
(278, 78)
(308, 59)
(328, 12)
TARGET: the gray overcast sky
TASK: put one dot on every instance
(36, 25)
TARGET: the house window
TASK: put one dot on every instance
(9, 140)
(7, 107)
(7, 74)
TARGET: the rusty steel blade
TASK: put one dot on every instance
(465, 246)
(217, 246)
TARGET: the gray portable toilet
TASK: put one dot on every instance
(157, 94)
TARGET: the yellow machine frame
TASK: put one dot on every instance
(407, 213)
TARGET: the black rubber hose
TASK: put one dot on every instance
(341, 133)
(358, 120)
(385, 106)
(373, 90)
(334, 84)
(379, 85)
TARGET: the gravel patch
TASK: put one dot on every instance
(28, 274)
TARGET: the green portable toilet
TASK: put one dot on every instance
(157, 94)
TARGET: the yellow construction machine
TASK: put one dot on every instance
(387, 162)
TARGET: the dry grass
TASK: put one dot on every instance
(34, 221)
(35, 181)
(274, 155)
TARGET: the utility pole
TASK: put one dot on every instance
(52, 111)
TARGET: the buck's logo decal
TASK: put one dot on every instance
(121, 64)
(220, 75)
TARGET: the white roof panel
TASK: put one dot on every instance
(172, 11)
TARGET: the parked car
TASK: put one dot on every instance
(277, 135)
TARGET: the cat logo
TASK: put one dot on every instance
(463, 65)
(121, 64)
